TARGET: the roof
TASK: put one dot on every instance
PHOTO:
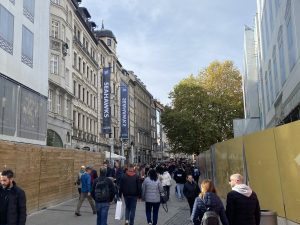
(105, 33)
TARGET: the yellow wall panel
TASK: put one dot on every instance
(235, 156)
(288, 150)
(263, 170)
(221, 169)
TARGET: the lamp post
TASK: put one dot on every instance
(111, 142)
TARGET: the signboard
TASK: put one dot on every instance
(124, 111)
(106, 129)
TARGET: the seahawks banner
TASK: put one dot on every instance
(124, 111)
(106, 128)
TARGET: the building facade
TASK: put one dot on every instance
(24, 38)
(277, 50)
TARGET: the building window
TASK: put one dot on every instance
(67, 77)
(27, 47)
(68, 107)
(78, 121)
(275, 71)
(290, 36)
(271, 82)
(83, 92)
(87, 97)
(108, 42)
(56, 2)
(281, 57)
(91, 100)
(95, 80)
(79, 91)
(63, 33)
(59, 104)
(28, 9)
(6, 30)
(87, 72)
(54, 64)
(50, 98)
(83, 68)
(75, 60)
(83, 122)
(79, 64)
(54, 28)
(74, 88)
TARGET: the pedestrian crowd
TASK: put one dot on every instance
(150, 183)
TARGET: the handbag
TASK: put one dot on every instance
(163, 199)
(118, 214)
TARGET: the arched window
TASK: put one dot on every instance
(53, 139)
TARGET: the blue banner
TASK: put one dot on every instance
(124, 111)
(106, 128)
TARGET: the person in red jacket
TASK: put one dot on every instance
(242, 206)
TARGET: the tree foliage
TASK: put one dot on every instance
(203, 108)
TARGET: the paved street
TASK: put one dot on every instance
(63, 214)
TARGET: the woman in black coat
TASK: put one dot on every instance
(208, 199)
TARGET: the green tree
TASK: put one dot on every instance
(203, 108)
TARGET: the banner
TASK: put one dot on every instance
(124, 111)
(106, 128)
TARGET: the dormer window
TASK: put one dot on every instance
(108, 42)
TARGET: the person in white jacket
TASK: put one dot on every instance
(166, 181)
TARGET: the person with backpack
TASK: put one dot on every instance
(208, 207)
(191, 190)
(86, 189)
(103, 193)
(242, 206)
(78, 181)
(130, 188)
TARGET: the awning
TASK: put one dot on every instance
(114, 156)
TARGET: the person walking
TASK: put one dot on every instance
(196, 173)
(130, 188)
(78, 181)
(242, 206)
(103, 193)
(191, 190)
(12, 201)
(208, 201)
(166, 182)
(151, 190)
(85, 191)
(180, 178)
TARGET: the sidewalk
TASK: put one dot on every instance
(63, 214)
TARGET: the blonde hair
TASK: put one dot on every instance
(207, 186)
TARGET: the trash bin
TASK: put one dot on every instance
(268, 217)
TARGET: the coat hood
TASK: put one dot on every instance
(243, 189)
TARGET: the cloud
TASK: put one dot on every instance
(163, 41)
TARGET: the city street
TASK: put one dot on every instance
(63, 214)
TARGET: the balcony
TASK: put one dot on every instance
(85, 50)
(58, 45)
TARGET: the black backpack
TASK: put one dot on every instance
(210, 217)
(102, 193)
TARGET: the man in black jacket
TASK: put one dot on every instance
(12, 201)
(130, 188)
(242, 206)
(103, 192)
(180, 178)
(191, 191)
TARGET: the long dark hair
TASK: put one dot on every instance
(152, 175)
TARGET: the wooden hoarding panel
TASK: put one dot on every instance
(262, 168)
(288, 150)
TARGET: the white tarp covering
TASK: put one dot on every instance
(114, 156)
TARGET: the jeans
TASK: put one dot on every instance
(167, 190)
(81, 199)
(149, 206)
(102, 212)
(179, 191)
(130, 203)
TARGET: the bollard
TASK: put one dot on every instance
(268, 218)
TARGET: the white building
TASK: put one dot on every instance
(24, 38)
(277, 50)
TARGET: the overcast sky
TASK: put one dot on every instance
(163, 41)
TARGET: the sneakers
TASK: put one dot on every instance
(150, 223)
(77, 214)
(126, 222)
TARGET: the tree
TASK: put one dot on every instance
(203, 108)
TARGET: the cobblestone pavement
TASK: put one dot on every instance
(63, 214)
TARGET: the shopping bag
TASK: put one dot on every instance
(118, 214)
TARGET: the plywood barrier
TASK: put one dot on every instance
(288, 151)
(263, 170)
(46, 174)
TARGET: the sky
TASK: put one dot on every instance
(164, 41)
